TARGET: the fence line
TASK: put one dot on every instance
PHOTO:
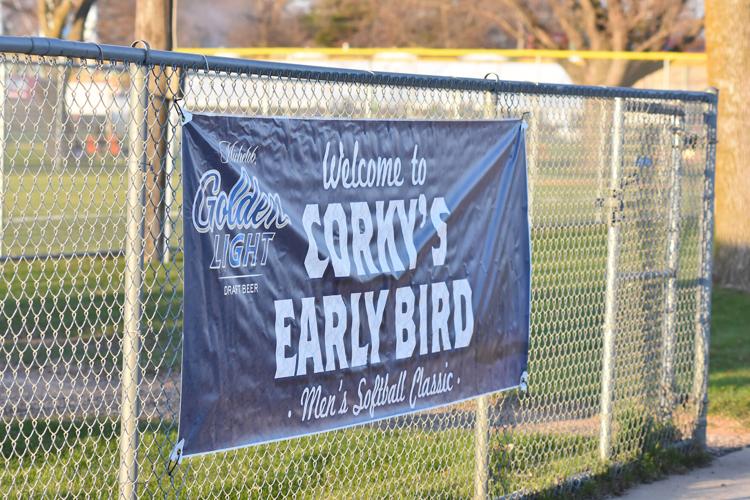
(677, 68)
(267, 52)
(621, 204)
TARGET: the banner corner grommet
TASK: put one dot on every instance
(176, 456)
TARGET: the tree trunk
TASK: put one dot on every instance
(728, 46)
(153, 23)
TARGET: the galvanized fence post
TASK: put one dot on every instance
(673, 260)
(481, 421)
(2, 146)
(703, 300)
(174, 138)
(602, 151)
(481, 447)
(2, 138)
(133, 276)
(610, 311)
(172, 152)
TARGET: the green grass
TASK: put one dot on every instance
(368, 460)
(75, 205)
(71, 459)
(729, 378)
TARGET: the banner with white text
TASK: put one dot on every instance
(339, 272)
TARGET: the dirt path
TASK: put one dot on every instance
(725, 434)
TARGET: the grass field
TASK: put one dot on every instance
(78, 206)
(729, 381)
(359, 462)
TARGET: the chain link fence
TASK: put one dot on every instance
(621, 186)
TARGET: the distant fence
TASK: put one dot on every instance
(671, 70)
(621, 186)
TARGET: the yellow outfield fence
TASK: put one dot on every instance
(679, 70)
(696, 58)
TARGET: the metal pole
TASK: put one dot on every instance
(133, 276)
(481, 448)
(172, 140)
(532, 159)
(2, 155)
(481, 424)
(610, 311)
(673, 261)
(2, 136)
(604, 143)
(703, 304)
(60, 116)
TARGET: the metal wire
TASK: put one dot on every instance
(621, 185)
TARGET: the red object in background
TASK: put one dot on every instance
(90, 145)
(114, 144)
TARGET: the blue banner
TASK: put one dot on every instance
(343, 271)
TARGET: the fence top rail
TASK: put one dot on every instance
(53, 47)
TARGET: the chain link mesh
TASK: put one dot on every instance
(92, 281)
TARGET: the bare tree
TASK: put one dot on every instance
(399, 23)
(618, 25)
(63, 18)
(728, 44)
(19, 17)
(272, 23)
(116, 21)
(633, 25)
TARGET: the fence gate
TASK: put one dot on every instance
(621, 185)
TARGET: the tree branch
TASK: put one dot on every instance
(527, 17)
(617, 25)
(78, 25)
(499, 20)
(59, 16)
(566, 17)
(596, 41)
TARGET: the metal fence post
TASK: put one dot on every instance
(610, 312)
(2, 145)
(603, 149)
(481, 447)
(174, 137)
(133, 276)
(673, 261)
(172, 140)
(481, 423)
(2, 138)
(703, 304)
